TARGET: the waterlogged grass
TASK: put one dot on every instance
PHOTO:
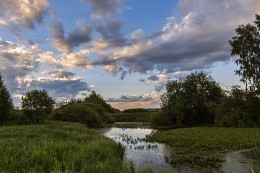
(59, 147)
(144, 117)
(210, 137)
(203, 148)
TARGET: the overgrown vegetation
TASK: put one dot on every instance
(203, 147)
(6, 104)
(93, 111)
(144, 117)
(210, 137)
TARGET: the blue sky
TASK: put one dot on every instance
(126, 50)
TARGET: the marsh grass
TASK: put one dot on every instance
(59, 147)
(210, 137)
(203, 147)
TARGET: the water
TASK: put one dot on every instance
(142, 153)
(155, 155)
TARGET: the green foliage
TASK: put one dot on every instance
(136, 110)
(59, 147)
(78, 112)
(247, 46)
(36, 104)
(93, 111)
(6, 104)
(106, 117)
(210, 137)
(133, 117)
(189, 101)
(238, 109)
(160, 118)
(98, 99)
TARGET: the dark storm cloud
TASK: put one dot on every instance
(81, 34)
(131, 99)
(103, 7)
(111, 32)
(59, 73)
(123, 74)
(159, 88)
(61, 88)
(153, 78)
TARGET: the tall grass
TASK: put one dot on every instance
(59, 147)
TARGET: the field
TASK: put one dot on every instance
(133, 117)
(59, 147)
(204, 147)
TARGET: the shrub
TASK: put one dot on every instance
(78, 112)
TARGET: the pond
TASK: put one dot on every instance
(137, 149)
(156, 156)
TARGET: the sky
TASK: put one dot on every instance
(125, 50)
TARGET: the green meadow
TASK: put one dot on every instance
(59, 147)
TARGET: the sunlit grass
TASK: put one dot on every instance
(59, 147)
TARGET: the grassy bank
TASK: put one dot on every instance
(210, 137)
(204, 147)
(58, 147)
(144, 117)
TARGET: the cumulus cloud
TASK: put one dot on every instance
(101, 8)
(16, 60)
(195, 40)
(80, 35)
(111, 34)
(61, 73)
(22, 13)
(77, 59)
(57, 87)
(140, 98)
(153, 78)
(136, 101)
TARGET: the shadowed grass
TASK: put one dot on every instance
(59, 147)
(144, 117)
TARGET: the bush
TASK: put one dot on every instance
(78, 112)
(161, 119)
(106, 118)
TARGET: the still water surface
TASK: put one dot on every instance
(142, 153)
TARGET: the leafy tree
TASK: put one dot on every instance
(6, 104)
(190, 100)
(247, 46)
(239, 109)
(36, 104)
(78, 112)
(98, 99)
